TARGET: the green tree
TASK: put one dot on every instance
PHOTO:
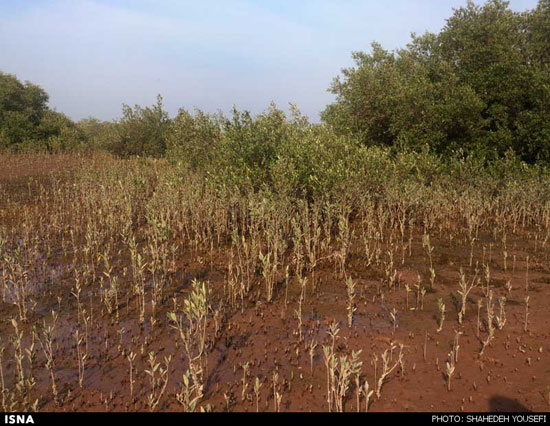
(481, 84)
(98, 134)
(194, 139)
(22, 107)
(142, 131)
(57, 132)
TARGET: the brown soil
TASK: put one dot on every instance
(512, 375)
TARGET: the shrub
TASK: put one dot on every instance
(481, 84)
(142, 131)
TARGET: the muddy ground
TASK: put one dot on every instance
(513, 374)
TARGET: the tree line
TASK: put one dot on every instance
(481, 86)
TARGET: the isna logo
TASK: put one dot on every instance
(18, 419)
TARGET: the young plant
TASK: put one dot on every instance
(450, 369)
(81, 357)
(465, 289)
(526, 322)
(245, 367)
(298, 312)
(350, 286)
(131, 358)
(190, 393)
(479, 306)
(192, 327)
(393, 316)
(387, 368)
(441, 307)
(368, 395)
(429, 250)
(490, 319)
(158, 375)
(46, 337)
(312, 346)
(501, 317)
(257, 386)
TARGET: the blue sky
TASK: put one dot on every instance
(93, 55)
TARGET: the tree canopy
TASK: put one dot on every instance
(481, 83)
(480, 86)
(27, 121)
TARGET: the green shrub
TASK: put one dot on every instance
(481, 84)
(142, 131)
(193, 140)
